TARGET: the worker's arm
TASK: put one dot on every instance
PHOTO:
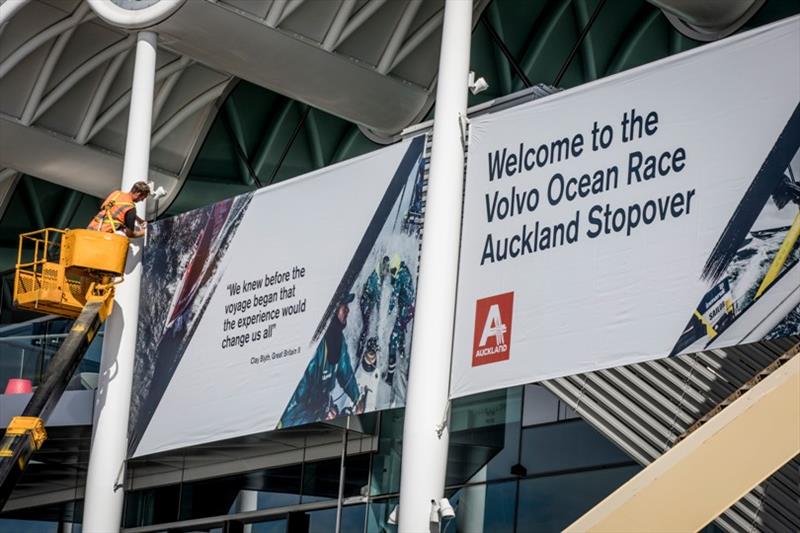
(130, 224)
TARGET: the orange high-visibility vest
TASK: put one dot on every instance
(111, 216)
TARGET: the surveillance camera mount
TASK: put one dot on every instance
(476, 85)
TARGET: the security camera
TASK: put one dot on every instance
(445, 509)
(476, 86)
(434, 516)
(441, 510)
(156, 192)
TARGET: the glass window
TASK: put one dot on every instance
(151, 506)
(262, 489)
(322, 521)
(321, 478)
(378, 516)
(28, 348)
(542, 406)
(552, 503)
(53, 518)
(353, 517)
(11, 525)
(356, 475)
(484, 507)
(484, 431)
(270, 526)
(567, 445)
(386, 462)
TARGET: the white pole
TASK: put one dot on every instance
(424, 458)
(104, 481)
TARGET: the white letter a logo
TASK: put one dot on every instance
(493, 326)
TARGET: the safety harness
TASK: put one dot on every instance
(112, 212)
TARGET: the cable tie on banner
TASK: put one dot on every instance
(463, 124)
(443, 424)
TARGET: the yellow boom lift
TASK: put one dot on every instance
(69, 273)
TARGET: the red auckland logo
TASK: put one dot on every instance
(492, 339)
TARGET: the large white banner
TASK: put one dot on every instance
(651, 213)
(290, 305)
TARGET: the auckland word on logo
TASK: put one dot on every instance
(492, 339)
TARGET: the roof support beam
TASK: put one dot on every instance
(314, 140)
(418, 37)
(274, 14)
(268, 142)
(345, 144)
(288, 146)
(541, 37)
(99, 95)
(49, 66)
(361, 16)
(236, 131)
(187, 111)
(291, 7)
(634, 35)
(339, 21)
(503, 57)
(32, 199)
(758, 433)
(587, 25)
(67, 212)
(8, 9)
(38, 152)
(166, 88)
(398, 36)
(81, 72)
(122, 102)
(8, 183)
(30, 46)
(587, 48)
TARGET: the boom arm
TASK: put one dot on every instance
(26, 434)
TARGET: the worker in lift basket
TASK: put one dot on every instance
(118, 212)
(312, 400)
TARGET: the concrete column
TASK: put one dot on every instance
(425, 435)
(105, 479)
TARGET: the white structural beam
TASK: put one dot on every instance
(30, 46)
(105, 478)
(119, 49)
(417, 38)
(337, 26)
(275, 11)
(291, 7)
(349, 86)
(49, 66)
(121, 103)
(358, 20)
(41, 153)
(8, 9)
(192, 107)
(99, 96)
(425, 434)
(398, 35)
(166, 89)
(715, 466)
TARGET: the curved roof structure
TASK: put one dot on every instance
(356, 72)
